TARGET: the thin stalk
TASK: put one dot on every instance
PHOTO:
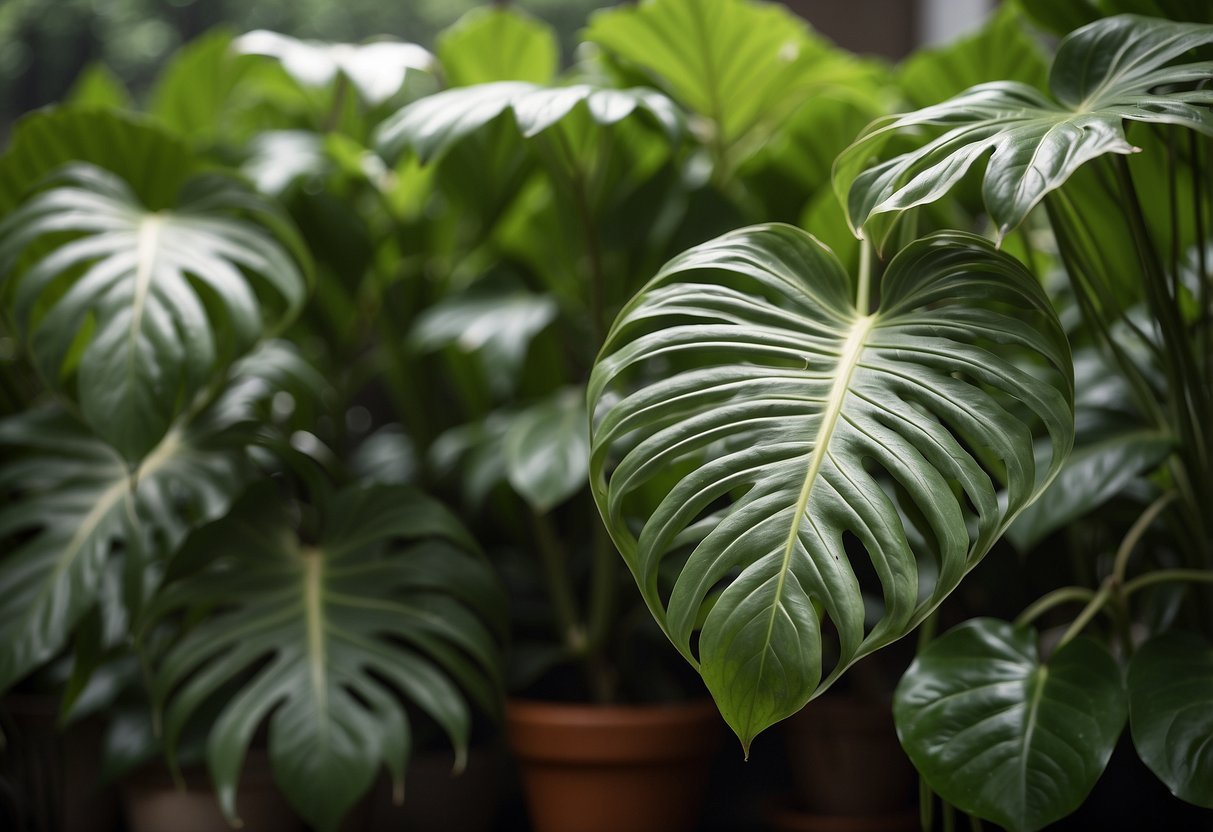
(926, 805)
(1064, 595)
(1163, 576)
(1136, 532)
(948, 816)
(975, 824)
(603, 587)
(559, 585)
(1204, 278)
(1088, 612)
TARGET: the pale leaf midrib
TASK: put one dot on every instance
(145, 258)
(852, 349)
(313, 605)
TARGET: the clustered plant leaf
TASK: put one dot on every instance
(674, 302)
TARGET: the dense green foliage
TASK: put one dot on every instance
(699, 297)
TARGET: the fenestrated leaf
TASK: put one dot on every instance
(498, 43)
(377, 70)
(162, 299)
(150, 159)
(1121, 68)
(1171, 713)
(773, 419)
(1000, 733)
(433, 124)
(323, 640)
(73, 493)
(547, 449)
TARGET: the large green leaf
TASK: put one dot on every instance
(152, 161)
(325, 640)
(740, 64)
(800, 453)
(1171, 712)
(1121, 68)
(433, 124)
(193, 93)
(79, 501)
(498, 43)
(135, 311)
(1002, 734)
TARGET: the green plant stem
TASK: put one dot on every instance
(863, 290)
(1088, 612)
(603, 587)
(1204, 278)
(1136, 531)
(1064, 595)
(1163, 576)
(926, 804)
(559, 585)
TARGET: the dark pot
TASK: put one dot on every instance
(589, 768)
(846, 760)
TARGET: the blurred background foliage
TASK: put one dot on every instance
(44, 44)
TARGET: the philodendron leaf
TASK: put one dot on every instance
(377, 70)
(755, 426)
(433, 124)
(1001, 734)
(498, 43)
(1121, 68)
(135, 311)
(326, 641)
(547, 450)
(1171, 713)
(69, 501)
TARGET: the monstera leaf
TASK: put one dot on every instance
(79, 500)
(1003, 734)
(326, 640)
(786, 453)
(1121, 68)
(433, 124)
(135, 311)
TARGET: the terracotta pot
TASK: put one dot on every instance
(589, 768)
(153, 803)
(48, 775)
(846, 760)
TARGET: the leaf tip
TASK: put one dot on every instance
(398, 791)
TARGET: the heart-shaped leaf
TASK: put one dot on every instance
(1002, 734)
(326, 641)
(547, 450)
(136, 311)
(1171, 713)
(787, 454)
(1121, 68)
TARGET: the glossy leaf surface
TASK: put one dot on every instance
(1171, 712)
(1002, 734)
(327, 641)
(1121, 68)
(786, 453)
(547, 450)
(432, 125)
(137, 310)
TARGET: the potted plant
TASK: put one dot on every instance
(143, 297)
(782, 435)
